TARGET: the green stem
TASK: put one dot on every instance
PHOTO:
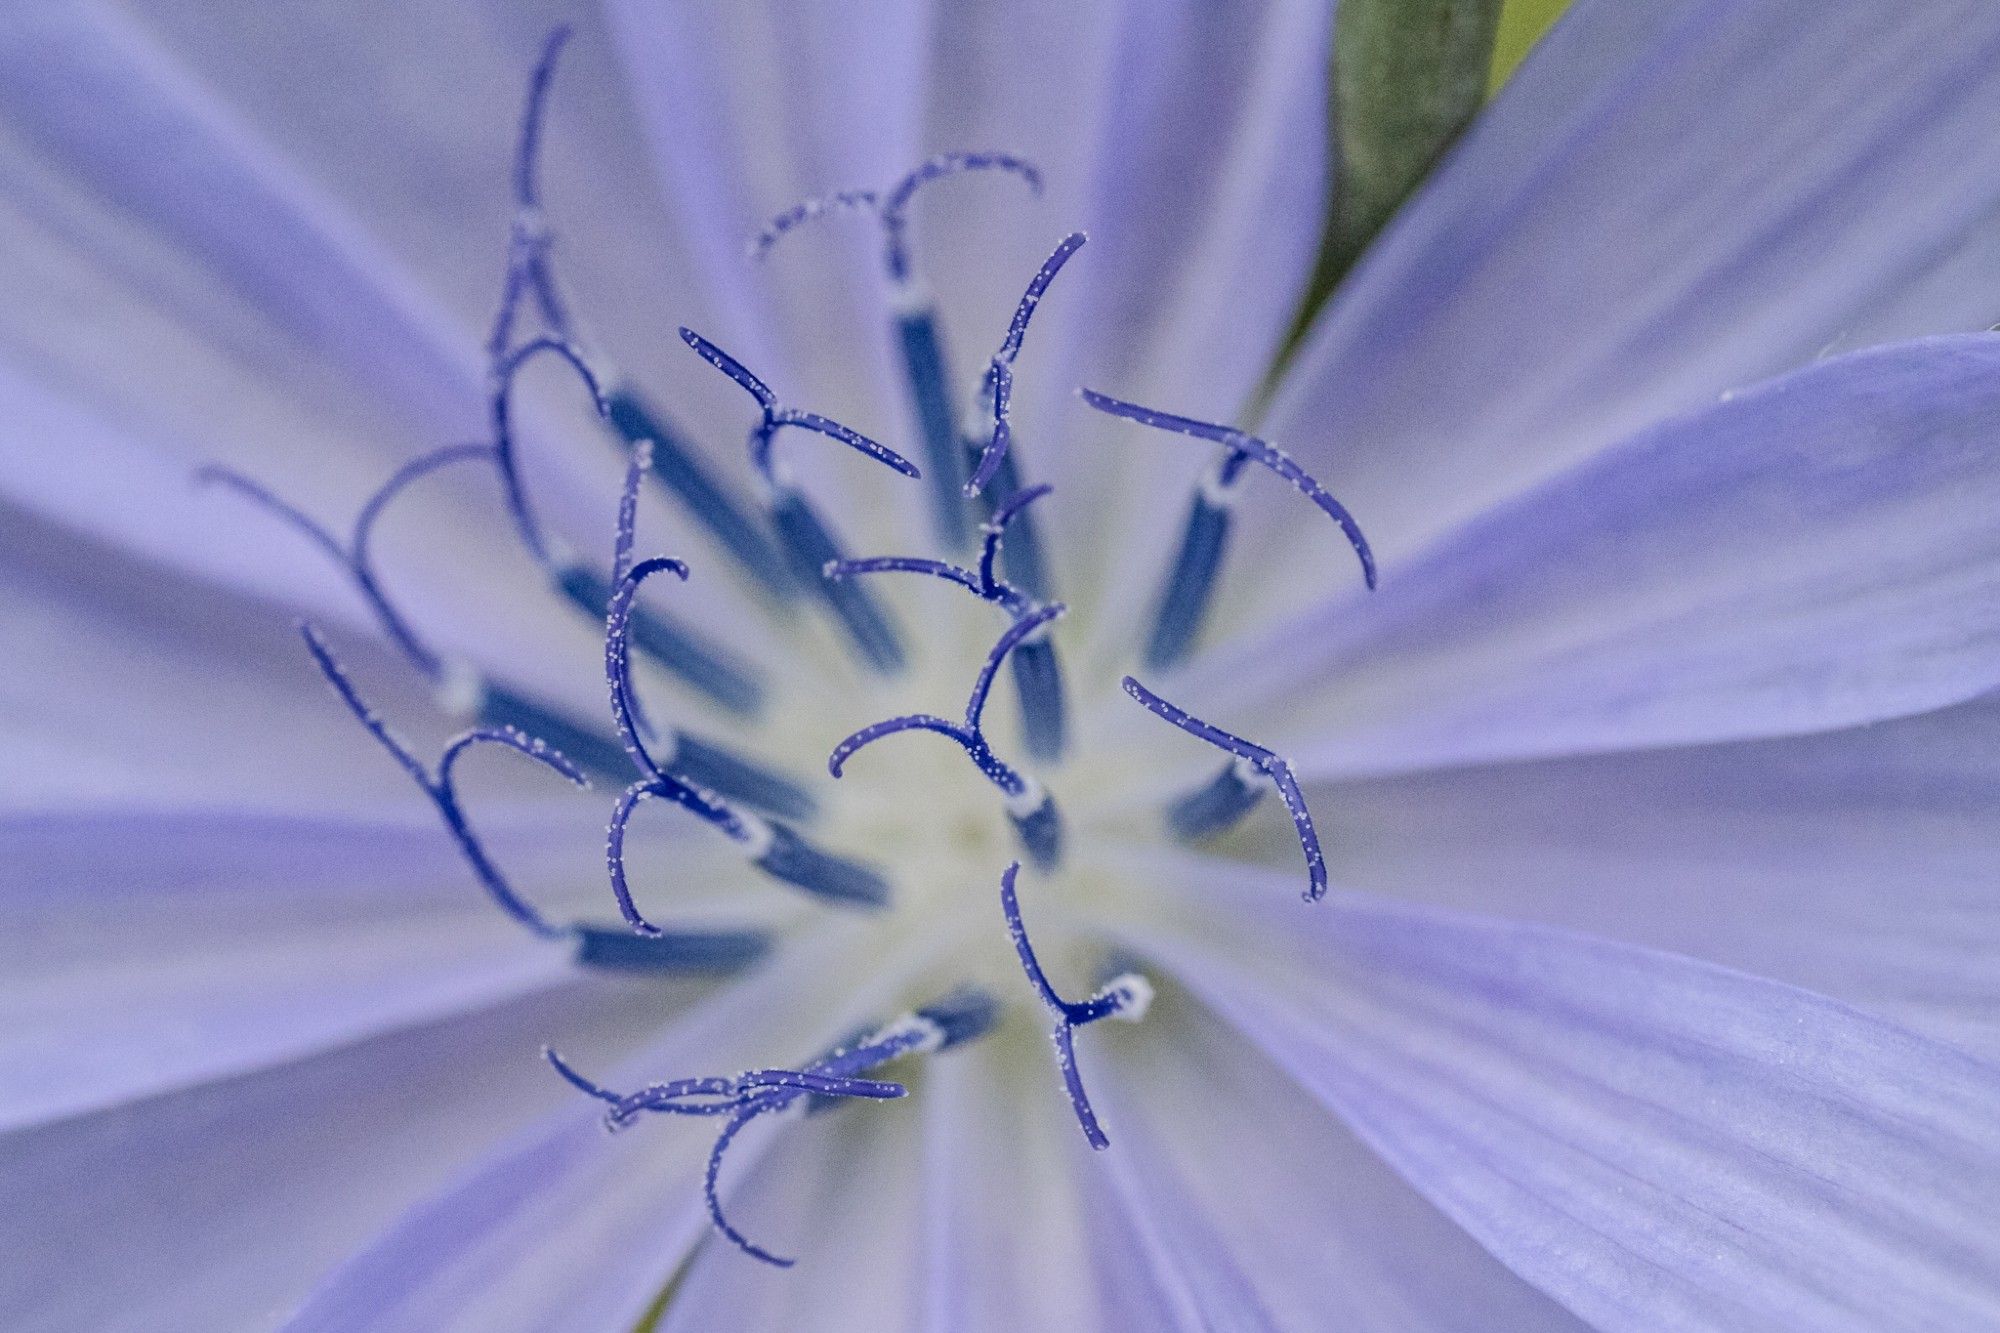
(1407, 78)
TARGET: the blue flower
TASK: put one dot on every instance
(1651, 789)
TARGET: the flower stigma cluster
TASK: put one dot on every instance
(788, 549)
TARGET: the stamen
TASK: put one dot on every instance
(673, 952)
(493, 705)
(1032, 811)
(1039, 685)
(463, 693)
(1204, 540)
(471, 697)
(804, 537)
(1037, 672)
(700, 762)
(1038, 682)
(777, 850)
(357, 556)
(703, 665)
(707, 667)
(706, 496)
(1264, 761)
(530, 269)
(919, 334)
(999, 383)
(959, 1017)
(963, 1015)
(499, 406)
(1125, 997)
(530, 240)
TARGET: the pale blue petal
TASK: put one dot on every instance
(147, 953)
(218, 1207)
(126, 688)
(193, 294)
(407, 116)
(1004, 1241)
(1667, 201)
(1194, 158)
(1815, 553)
(1858, 863)
(1260, 1210)
(569, 1228)
(748, 110)
(838, 1193)
(1655, 1142)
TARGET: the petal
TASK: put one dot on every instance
(570, 1228)
(1814, 553)
(1857, 863)
(1258, 1209)
(1609, 245)
(1198, 174)
(216, 1207)
(749, 110)
(196, 295)
(148, 953)
(1654, 1141)
(847, 1185)
(423, 163)
(1005, 1243)
(126, 688)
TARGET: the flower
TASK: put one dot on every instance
(1651, 986)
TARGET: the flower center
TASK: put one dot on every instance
(926, 807)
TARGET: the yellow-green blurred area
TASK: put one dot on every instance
(1522, 22)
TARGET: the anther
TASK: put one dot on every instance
(963, 1015)
(596, 946)
(1259, 758)
(1190, 582)
(1037, 671)
(957, 1018)
(803, 536)
(919, 333)
(1032, 811)
(1125, 997)
(1219, 804)
(686, 952)
(699, 761)
(776, 849)
(1037, 823)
